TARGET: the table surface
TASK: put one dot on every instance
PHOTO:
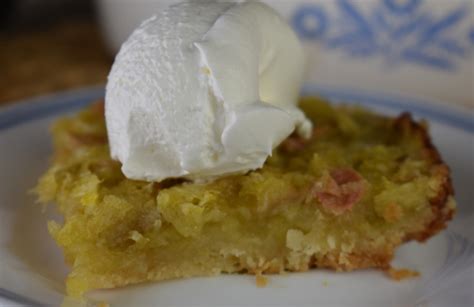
(59, 57)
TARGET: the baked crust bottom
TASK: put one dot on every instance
(345, 199)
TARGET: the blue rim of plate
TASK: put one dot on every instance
(56, 104)
(452, 115)
(45, 106)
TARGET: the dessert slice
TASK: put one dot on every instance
(345, 199)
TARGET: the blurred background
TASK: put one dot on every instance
(417, 48)
(48, 46)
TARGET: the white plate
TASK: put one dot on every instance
(32, 269)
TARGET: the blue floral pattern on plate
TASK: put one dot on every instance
(408, 31)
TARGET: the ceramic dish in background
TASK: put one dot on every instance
(32, 267)
(372, 45)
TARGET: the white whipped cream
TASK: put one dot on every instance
(204, 90)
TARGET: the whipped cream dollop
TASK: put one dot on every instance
(204, 89)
